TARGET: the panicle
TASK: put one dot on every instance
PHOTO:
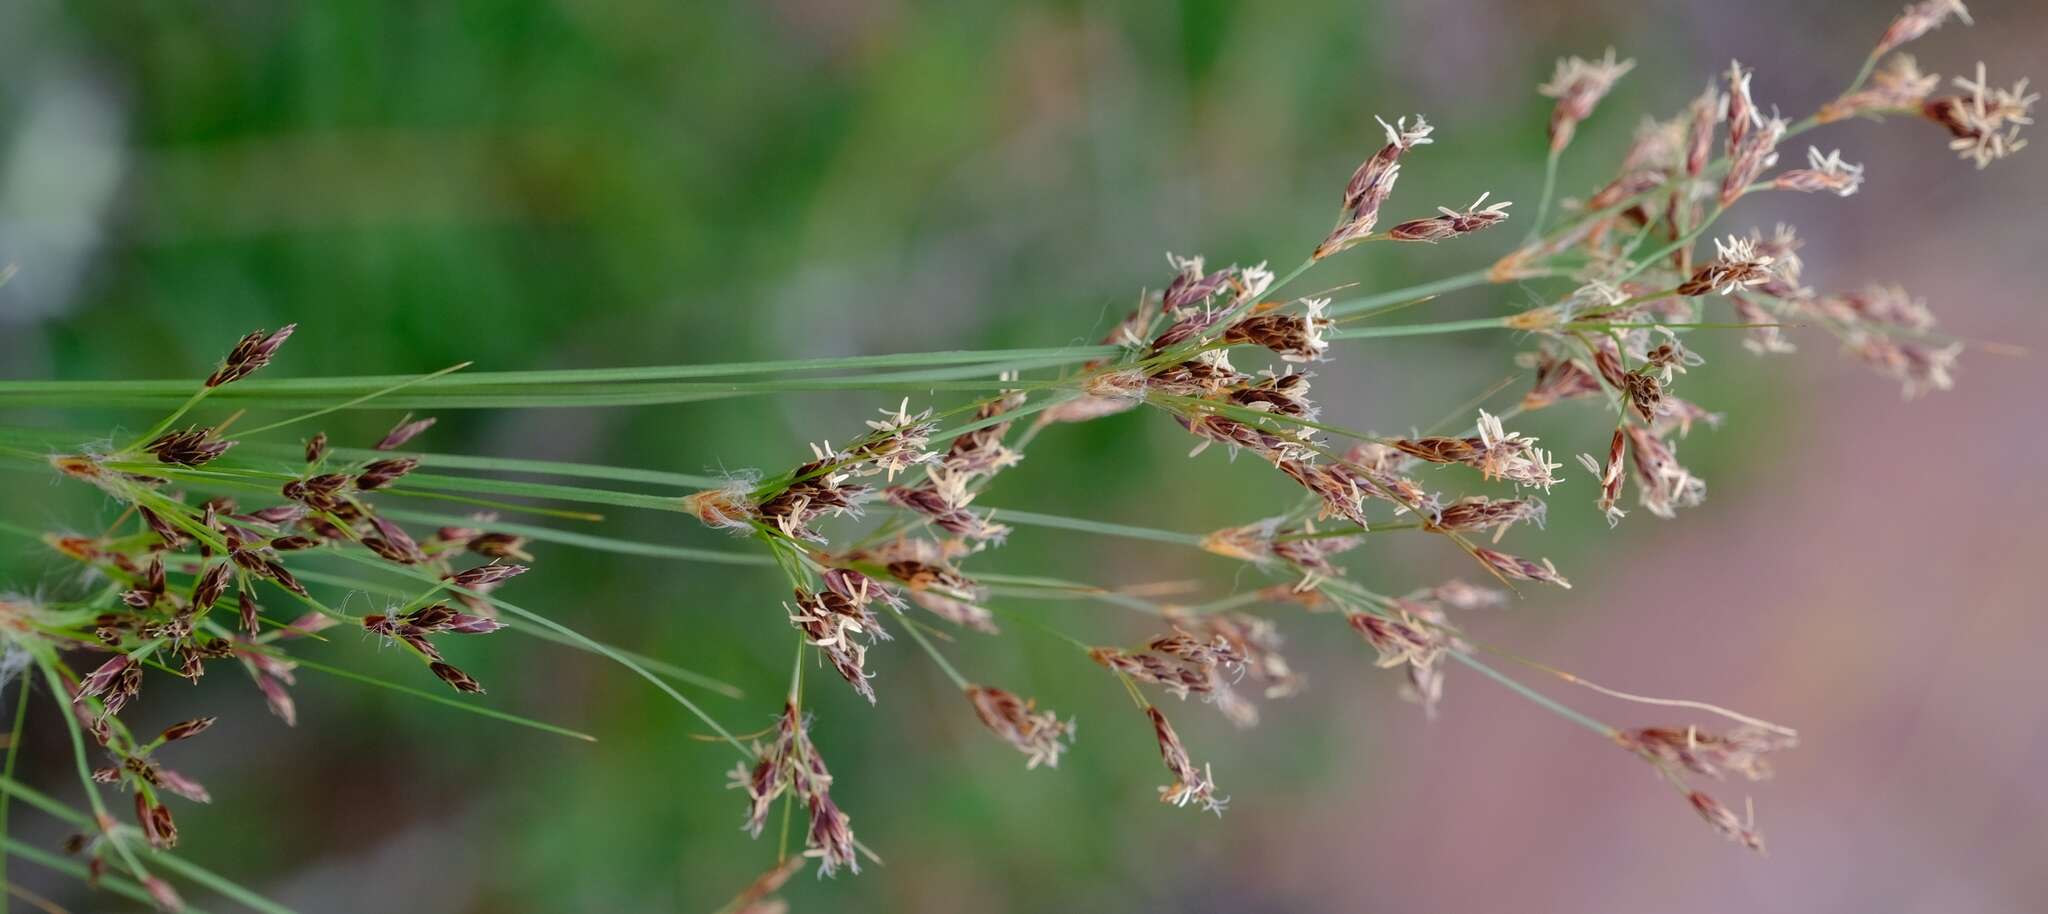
(791, 763)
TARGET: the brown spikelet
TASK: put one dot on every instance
(251, 353)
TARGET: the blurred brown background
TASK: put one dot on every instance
(574, 183)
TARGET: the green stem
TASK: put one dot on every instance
(1399, 296)
(1477, 323)
(13, 754)
(1549, 189)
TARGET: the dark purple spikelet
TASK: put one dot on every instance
(486, 575)
(380, 473)
(251, 353)
(100, 680)
(212, 584)
(393, 544)
(461, 681)
(187, 729)
(407, 429)
(192, 446)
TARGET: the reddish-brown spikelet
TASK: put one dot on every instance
(407, 429)
(1037, 734)
(250, 354)
(1724, 821)
(1190, 784)
(1918, 19)
(1452, 223)
(380, 473)
(1741, 750)
(459, 680)
(1521, 568)
(192, 446)
(1579, 85)
(1371, 184)
(187, 729)
(160, 893)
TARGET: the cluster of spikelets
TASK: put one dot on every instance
(1615, 339)
(184, 582)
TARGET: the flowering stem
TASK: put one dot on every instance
(372, 395)
(1533, 695)
(911, 625)
(13, 753)
(1478, 323)
(1549, 189)
(1421, 290)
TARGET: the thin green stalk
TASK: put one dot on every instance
(1036, 519)
(165, 422)
(912, 625)
(13, 755)
(1549, 190)
(1477, 323)
(358, 401)
(115, 884)
(1421, 290)
(596, 647)
(218, 883)
(480, 710)
(1533, 695)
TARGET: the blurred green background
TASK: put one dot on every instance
(582, 184)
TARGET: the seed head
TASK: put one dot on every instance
(192, 446)
(458, 679)
(1985, 121)
(1294, 337)
(1918, 19)
(251, 353)
(1737, 264)
(1190, 784)
(1723, 820)
(484, 576)
(1757, 152)
(1520, 568)
(380, 473)
(1823, 173)
(407, 429)
(1371, 184)
(1452, 223)
(1037, 734)
(1662, 484)
(1578, 85)
(1741, 750)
